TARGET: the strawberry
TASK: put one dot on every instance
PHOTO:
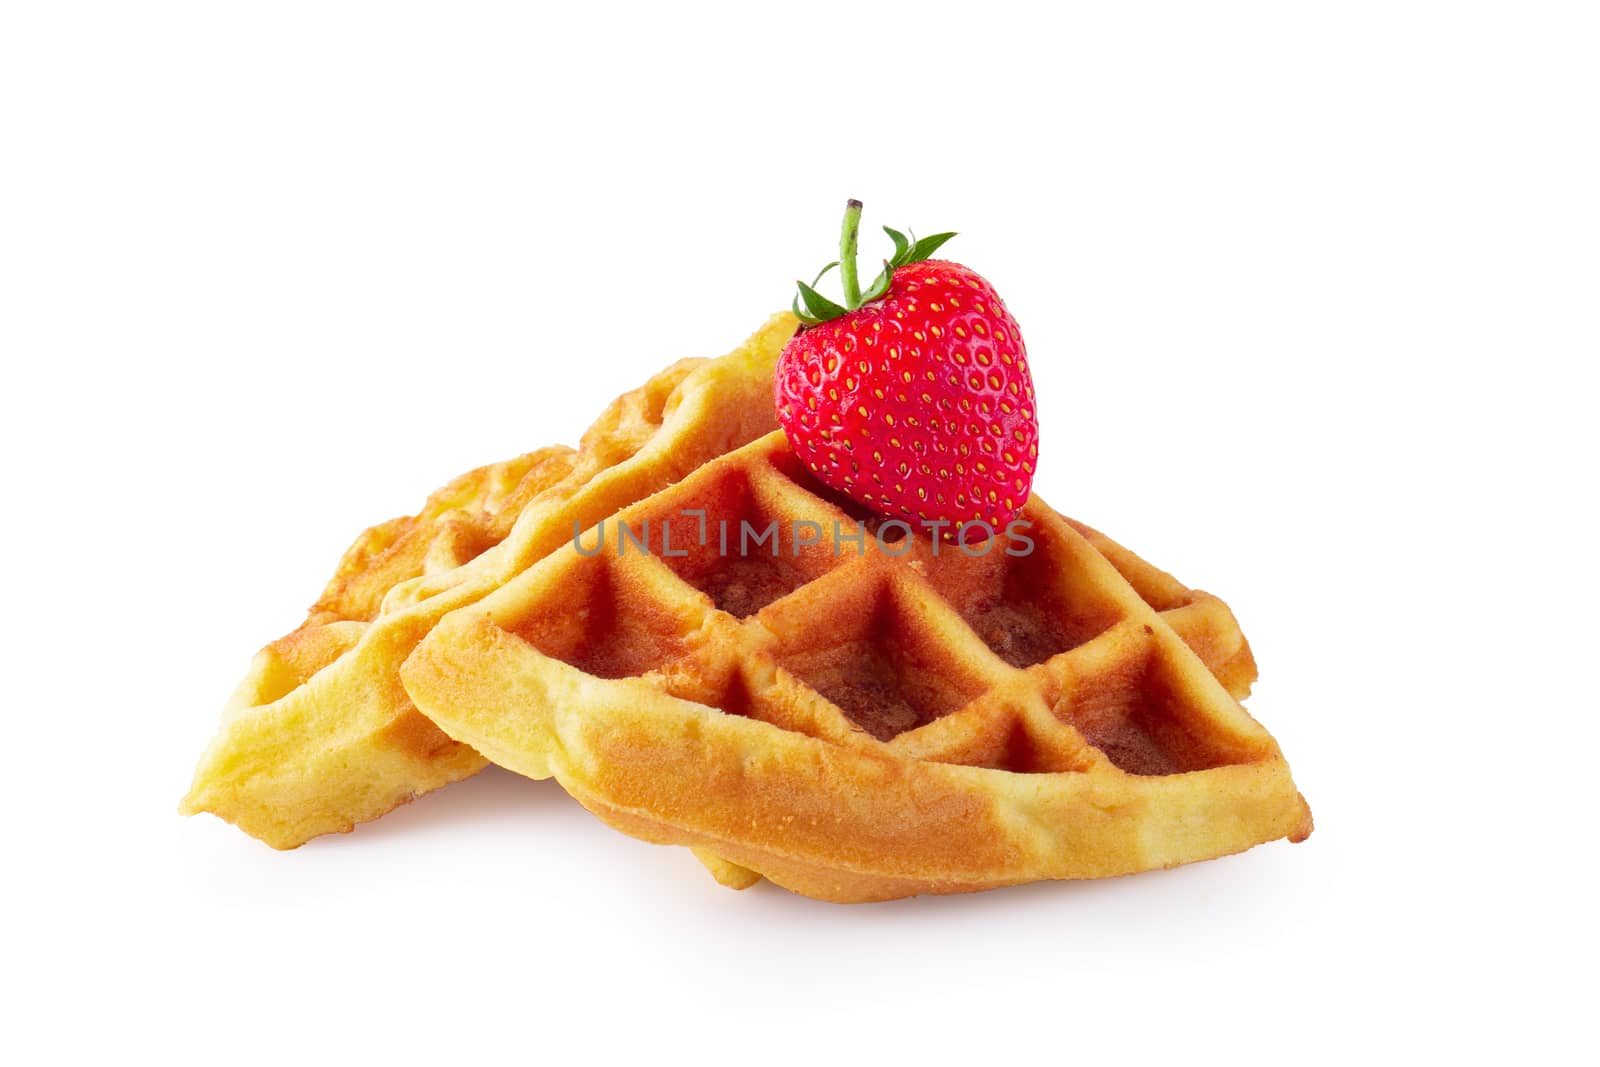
(914, 397)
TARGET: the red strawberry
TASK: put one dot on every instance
(913, 398)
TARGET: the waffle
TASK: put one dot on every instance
(320, 735)
(866, 722)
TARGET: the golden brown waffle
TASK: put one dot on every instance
(320, 735)
(863, 724)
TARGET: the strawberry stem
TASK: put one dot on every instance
(819, 308)
(848, 235)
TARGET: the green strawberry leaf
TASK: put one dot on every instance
(794, 305)
(926, 247)
(820, 306)
(901, 245)
(880, 284)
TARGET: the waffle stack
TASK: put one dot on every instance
(733, 658)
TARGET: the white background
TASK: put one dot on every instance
(1310, 296)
